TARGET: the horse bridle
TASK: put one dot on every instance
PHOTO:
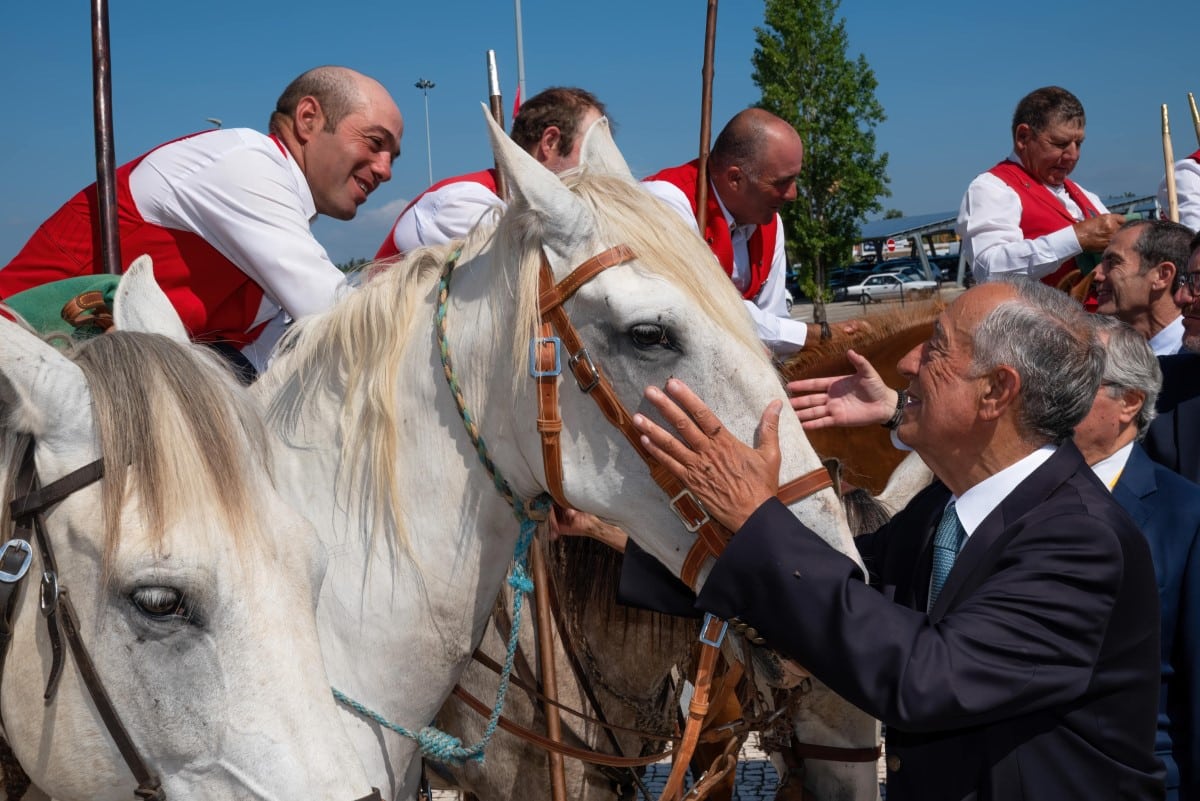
(26, 510)
(556, 333)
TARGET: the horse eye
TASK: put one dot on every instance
(161, 603)
(649, 335)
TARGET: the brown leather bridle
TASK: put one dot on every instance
(27, 509)
(556, 334)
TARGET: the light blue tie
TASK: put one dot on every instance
(946, 542)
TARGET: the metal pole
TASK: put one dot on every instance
(425, 86)
(106, 184)
(521, 96)
(710, 35)
(496, 104)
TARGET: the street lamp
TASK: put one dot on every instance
(425, 86)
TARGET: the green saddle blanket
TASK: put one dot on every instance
(78, 308)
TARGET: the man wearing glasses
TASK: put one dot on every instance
(1024, 216)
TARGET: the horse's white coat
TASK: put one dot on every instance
(399, 622)
(233, 705)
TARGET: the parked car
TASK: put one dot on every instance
(890, 285)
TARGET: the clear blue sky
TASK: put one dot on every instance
(949, 75)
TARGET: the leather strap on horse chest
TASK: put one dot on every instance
(546, 357)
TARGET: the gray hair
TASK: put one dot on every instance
(1043, 334)
(1131, 366)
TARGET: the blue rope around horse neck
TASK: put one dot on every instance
(434, 743)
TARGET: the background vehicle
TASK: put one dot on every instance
(890, 285)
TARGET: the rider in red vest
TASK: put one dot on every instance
(1187, 191)
(1024, 216)
(752, 169)
(225, 214)
(549, 126)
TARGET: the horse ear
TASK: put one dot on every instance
(45, 393)
(566, 220)
(141, 305)
(599, 152)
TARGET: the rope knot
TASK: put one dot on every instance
(442, 747)
(519, 579)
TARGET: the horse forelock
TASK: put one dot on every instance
(173, 420)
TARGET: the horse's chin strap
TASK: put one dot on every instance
(61, 619)
(546, 354)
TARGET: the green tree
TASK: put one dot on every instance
(801, 67)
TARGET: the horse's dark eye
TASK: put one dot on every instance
(160, 603)
(649, 335)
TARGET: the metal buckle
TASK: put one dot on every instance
(49, 596)
(584, 356)
(688, 524)
(22, 550)
(537, 342)
(709, 619)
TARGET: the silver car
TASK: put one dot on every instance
(890, 285)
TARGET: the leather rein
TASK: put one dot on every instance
(26, 510)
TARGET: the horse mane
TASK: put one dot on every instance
(359, 344)
(172, 421)
(817, 356)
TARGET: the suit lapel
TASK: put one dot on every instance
(1136, 487)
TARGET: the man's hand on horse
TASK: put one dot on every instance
(730, 478)
(847, 400)
(568, 522)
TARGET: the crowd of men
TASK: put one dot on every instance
(1029, 625)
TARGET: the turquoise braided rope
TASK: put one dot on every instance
(434, 743)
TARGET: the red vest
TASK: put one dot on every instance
(716, 232)
(485, 177)
(1041, 212)
(215, 299)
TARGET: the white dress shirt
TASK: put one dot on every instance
(980, 500)
(444, 215)
(1168, 341)
(1109, 468)
(1187, 192)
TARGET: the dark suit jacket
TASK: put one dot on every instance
(1036, 674)
(1166, 507)
(1174, 439)
(1181, 379)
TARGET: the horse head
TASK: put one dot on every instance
(190, 585)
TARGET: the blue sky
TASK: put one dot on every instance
(949, 75)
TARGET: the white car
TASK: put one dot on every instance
(890, 285)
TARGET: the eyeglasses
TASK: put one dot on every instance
(1189, 279)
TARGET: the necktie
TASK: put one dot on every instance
(946, 542)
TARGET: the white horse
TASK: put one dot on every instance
(418, 536)
(191, 585)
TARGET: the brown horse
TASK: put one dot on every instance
(866, 453)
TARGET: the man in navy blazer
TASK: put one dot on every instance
(1166, 507)
(1035, 672)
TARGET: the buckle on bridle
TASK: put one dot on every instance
(583, 357)
(693, 518)
(534, 344)
(714, 641)
(18, 549)
(49, 594)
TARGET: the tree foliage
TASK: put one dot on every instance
(801, 67)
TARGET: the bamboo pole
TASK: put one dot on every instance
(710, 36)
(1195, 115)
(106, 183)
(545, 646)
(495, 102)
(1169, 159)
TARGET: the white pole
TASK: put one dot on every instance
(520, 55)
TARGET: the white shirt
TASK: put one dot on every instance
(444, 215)
(1110, 467)
(237, 190)
(989, 222)
(1187, 192)
(980, 500)
(1168, 341)
(768, 310)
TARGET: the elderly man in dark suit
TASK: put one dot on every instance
(1166, 507)
(1011, 640)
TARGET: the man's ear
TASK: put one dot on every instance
(1022, 135)
(1003, 389)
(309, 118)
(548, 144)
(1163, 276)
(1132, 401)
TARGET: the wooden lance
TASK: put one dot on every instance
(495, 103)
(1169, 159)
(710, 36)
(106, 184)
(1195, 116)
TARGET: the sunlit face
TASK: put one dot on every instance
(1121, 288)
(1052, 153)
(346, 165)
(943, 396)
(1187, 298)
(761, 189)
